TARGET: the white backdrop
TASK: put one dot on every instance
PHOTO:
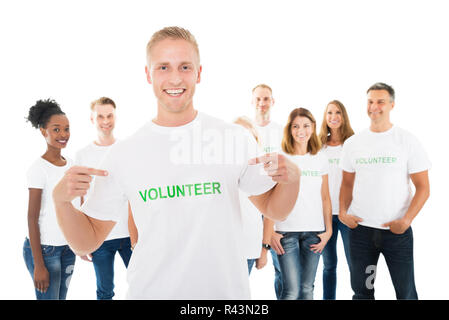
(308, 52)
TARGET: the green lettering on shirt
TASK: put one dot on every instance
(179, 191)
(375, 160)
(310, 173)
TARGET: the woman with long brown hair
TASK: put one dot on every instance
(335, 129)
(307, 229)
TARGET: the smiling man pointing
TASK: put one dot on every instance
(189, 243)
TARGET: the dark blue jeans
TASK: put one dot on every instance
(298, 265)
(330, 258)
(59, 261)
(366, 244)
(103, 261)
(277, 272)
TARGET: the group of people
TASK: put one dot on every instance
(198, 209)
(47, 255)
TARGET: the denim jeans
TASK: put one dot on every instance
(251, 263)
(366, 244)
(298, 265)
(330, 258)
(59, 261)
(103, 261)
(277, 272)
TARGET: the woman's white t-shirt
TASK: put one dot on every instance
(333, 154)
(45, 175)
(307, 214)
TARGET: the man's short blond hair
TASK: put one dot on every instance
(172, 33)
(102, 101)
(264, 86)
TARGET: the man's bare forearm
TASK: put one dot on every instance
(268, 229)
(77, 229)
(282, 201)
(345, 198)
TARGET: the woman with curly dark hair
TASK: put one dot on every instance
(48, 258)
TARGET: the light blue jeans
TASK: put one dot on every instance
(298, 265)
(59, 261)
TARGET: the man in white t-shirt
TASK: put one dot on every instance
(103, 118)
(270, 135)
(181, 173)
(376, 201)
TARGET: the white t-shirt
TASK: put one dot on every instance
(382, 163)
(252, 227)
(45, 175)
(270, 141)
(333, 154)
(92, 156)
(183, 186)
(307, 214)
(270, 137)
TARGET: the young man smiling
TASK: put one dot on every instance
(103, 118)
(376, 201)
(188, 247)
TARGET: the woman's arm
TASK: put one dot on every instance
(327, 215)
(41, 275)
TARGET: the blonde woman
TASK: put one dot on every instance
(335, 129)
(308, 228)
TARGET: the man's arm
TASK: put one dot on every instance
(268, 230)
(422, 185)
(347, 186)
(83, 233)
(278, 202)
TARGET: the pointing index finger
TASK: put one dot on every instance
(97, 172)
(262, 159)
(88, 171)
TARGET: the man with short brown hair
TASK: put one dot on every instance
(181, 173)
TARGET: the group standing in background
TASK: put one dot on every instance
(204, 221)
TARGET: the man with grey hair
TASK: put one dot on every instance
(376, 201)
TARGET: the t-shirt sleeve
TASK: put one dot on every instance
(107, 195)
(418, 160)
(345, 159)
(36, 177)
(253, 180)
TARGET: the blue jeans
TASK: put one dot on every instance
(251, 263)
(366, 244)
(277, 272)
(103, 261)
(59, 261)
(298, 265)
(330, 258)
